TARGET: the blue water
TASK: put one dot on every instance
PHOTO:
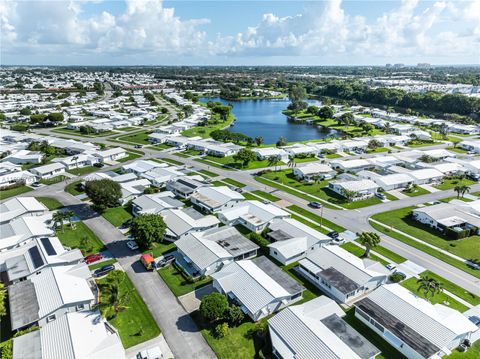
(264, 118)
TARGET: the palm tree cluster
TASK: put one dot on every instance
(291, 161)
(429, 287)
(60, 217)
(461, 189)
(274, 160)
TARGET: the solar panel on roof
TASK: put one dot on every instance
(48, 246)
(36, 257)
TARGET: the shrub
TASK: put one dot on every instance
(396, 277)
(222, 330)
(235, 315)
(258, 239)
(213, 307)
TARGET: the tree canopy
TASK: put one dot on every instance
(214, 307)
(245, 156)
(104, 193)
(147, 229)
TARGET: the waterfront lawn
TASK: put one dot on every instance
(51, 203)
(439, 298)
(7, 193)
(177, 283)
(80, 237)
(449, 183)
(401, 220)
(117, 216)
(75, 188)
(135, 324)
(213, 124)
(319, 190)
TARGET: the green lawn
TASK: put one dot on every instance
(472, 353)
(457, 150)
(230, 162)
(53, 180)
(177, 283)
(51, 203)
(130, 156)
(378, 150)
(81, 237)
(455, 289)
(416, 144)
(204, 131)
(101, 264)
(117, 216)
(306, 159)
(6, 193)
(161, 146)
(233, 182)
(441, 298)
(237, 344)
(83, 171)
(359, 252)
(420, 246)
(332, 156)
(418, 191)
(159, 249)
(75, 188)
(172, 162)
(140, 138)
(134, 324)
(266, 195)
(208, 173)
(319, 190)
(452, 182)
(400, 219)
(316, 218)
(391, 255)
(388, 351)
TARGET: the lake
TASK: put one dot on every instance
(264, 118)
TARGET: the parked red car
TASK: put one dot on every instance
(93, 258)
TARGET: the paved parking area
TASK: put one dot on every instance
(191, 301)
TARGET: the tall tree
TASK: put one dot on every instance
(104, 193)
(245, 156)
(147, 229)
(114, 298)
(429, 287)
(274, 160)
(58, 218)
(259, 140)
(214, 307)
(369, 240)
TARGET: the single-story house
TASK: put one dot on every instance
(204, 253)
(155, 203)
(316, 330)
(300, 149)
(181, 222)
(25, 156)
(361, 189)
(21, 230)
(253, 215)
(215, 199)
(415, 327)
(470, 145)
(452, 219)
(292, 240)
(50, 294)
(76, 161)
(111, 154)
(266, 152)
(258, 286)
(313, 170)
(133, 189)
(388, 182)
(351, 165)
(342, 275)
(82, 334)
(185, 186)
(159, 176)
(19, 207)
(49, 171)
(141, 166)
(426, 176)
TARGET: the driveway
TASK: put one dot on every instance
(191, 301)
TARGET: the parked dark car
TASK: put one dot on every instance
(138, 146)
(36, 184)
(380, 195)
(103, 270)
(166, 260)
(315, 204)
(98, 165)
(333, 234)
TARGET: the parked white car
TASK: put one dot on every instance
(152, 353)
(132, 245)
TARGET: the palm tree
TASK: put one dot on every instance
(291, 161)
(274, 160)
(58, 218)
(113, 299)
(429, 286)
(317, 180)
(75, 158)
(387, 127)
(259, 140)
(461, 189)
(349, 195)
(369, 240)
(68, 215)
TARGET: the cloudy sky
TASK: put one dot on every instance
(155, 32)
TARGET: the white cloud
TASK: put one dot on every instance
(405, 31)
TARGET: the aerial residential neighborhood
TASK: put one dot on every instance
(253, 180)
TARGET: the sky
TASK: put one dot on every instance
(156, 32)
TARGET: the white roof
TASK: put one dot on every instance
(48, 168)
(19, 206)
(352, 163)
(312, 168)
(295, 228)
(425, 173)
(254, 212)
(216, 196)
(357, 186)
